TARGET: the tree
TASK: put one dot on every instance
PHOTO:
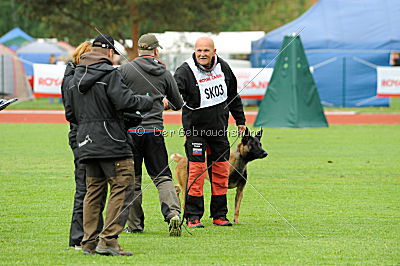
(76, 20)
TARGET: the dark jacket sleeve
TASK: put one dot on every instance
(73, 129)
(181, 81)
(234, 101)
(173, 96)
(123, 98)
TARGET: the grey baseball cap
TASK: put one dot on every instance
(148, 42)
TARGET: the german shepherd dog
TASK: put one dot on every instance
(246, 151)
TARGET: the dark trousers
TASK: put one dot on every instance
(76, 230)
(119, 174)
(150, 148)
(217, 149)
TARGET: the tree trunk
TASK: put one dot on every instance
(134, 28)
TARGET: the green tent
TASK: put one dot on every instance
(291, 99)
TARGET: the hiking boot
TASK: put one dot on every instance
(89, 248)
(89, 252)
(222, 221)
(194, 223)
(132, 231)
(175, 228)
(111, 247)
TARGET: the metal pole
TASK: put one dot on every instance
(344, 83)
(2, 75)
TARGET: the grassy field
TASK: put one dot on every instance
(338, 186)
(44, 104)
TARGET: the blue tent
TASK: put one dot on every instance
(344, 41)
(14, 38)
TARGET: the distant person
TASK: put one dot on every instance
(98, 99)
(209, 89)
(396, 59)
(52, 59)
(148, 75)
(76, 229)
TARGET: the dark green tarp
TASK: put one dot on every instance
(291, 99)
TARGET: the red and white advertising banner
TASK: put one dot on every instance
(388, 81)
(252, 82)
(47, 80)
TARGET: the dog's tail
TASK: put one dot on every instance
(176, 157)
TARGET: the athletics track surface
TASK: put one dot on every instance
(57, 116)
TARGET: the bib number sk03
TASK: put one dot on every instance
(213, 92)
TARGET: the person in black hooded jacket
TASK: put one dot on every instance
(76, 229)
(98, 98)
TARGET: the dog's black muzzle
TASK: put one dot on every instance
(263, 154)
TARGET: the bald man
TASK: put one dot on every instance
(209, 89)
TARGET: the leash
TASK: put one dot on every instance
(188, 187)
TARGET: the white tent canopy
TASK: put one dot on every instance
(225, 42)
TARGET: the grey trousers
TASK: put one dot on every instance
(151, 149)
(169, 202)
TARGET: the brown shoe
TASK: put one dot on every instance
(111, 247)
(89, 248)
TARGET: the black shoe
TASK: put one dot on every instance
(132, 231)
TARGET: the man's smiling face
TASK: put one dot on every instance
(204, 51)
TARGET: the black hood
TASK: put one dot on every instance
(151, 65)
(93, 67)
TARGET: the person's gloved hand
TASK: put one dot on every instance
(132, 119)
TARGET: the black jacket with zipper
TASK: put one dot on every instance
(213, 117)
(68, 75)
(98, 97)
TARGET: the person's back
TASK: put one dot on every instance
(98, 100)
(99, 103)
(148, 75)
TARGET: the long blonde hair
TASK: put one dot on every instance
(80, 50)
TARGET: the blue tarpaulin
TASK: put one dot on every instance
(13, 34)
(344, 41)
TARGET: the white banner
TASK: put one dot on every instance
(47, 80)
(388, 81)
(252, 82)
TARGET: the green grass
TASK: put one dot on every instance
(37, 104)
(44, 103)
(339, 186)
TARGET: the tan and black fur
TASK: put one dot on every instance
(247, 150)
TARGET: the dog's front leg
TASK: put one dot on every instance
(238, 200)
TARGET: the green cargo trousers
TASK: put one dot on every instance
(119, 174)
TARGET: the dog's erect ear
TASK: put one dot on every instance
(246, 136)
(259, 134)
(247, 132)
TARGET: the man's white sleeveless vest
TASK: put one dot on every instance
(212, 86)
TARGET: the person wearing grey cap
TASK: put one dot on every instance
(98, 100)
(146, 74)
